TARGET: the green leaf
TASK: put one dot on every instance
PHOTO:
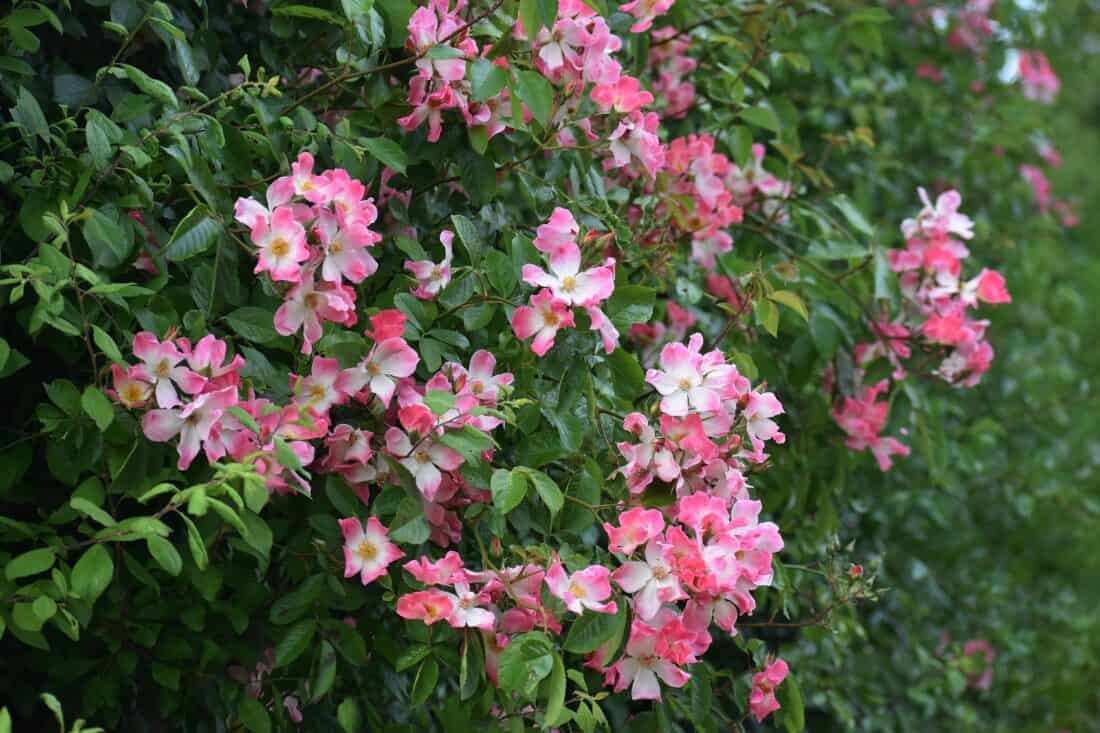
(412, 656)
(5, 720)
(309, 13)
(792, 301)
(409, 527)
(295, 640)
(24, 617)
(28, 115)
(468, 441)
(472, 667)
(155, 88)
(254, 324)
(547, 489)
(555, 693)
(98, 407)
(767, 315)
(592, 630)
(486, 79)
(194, 234)
(165, 553)
(439, 401)
(501, 272)
(54, 705)
(97, 132)
(535, 91)
(195, 543)
(349, 717)
(627, 375)
(761, 116)
(106, 344)
(30, 563)
(825, 334)
(790, 699)
(525, 662)
(508, 489)
(387, 152)
(884, 276)
(468, 235)
(92, 573)
(92, 511)
(397, 14)
(536, 14)
(44, 608)
(253, 715)
(424, 683)
(325, 675)
(853, 215)
(630, 304)
(109, 241)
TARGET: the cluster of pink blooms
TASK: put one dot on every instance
(671, 65)
(314, 233)
(681, 570)
(1041, 187)
(973, 26)
(381, 384)
(937, 306)
(576, 55)
(564, 287)
(1038, 81)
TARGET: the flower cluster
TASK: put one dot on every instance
(565, 287)
(1038, 81)
(670, 66)
(936, 309)
(313, 225)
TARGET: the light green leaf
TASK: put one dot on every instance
(98, 407)
(294, 642)
(92, 573)
(92, 511)
(166, 555)
(535, 91)
(30, 563)
(28, 114)
(194, 234)
(387, 152)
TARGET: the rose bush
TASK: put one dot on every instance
(383, 365)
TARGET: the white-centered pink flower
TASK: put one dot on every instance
(637, 526)
(282, 245)
(432, 277)
(161, 367)
(559, 232)
(652, 582)
(367, 549)
(642, 669)
(542, 319)
(585, 589)
(309, 304)
(193, 423)
(425, 459)
(566, 280)
(389, 361)
(690, 381)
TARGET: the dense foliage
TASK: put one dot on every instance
(384, 365)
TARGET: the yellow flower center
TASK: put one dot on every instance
(569, 284)
(133, 393)
(280, 247)
(163, 368)
(366, 551)
(685, 384)
(577, 590)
